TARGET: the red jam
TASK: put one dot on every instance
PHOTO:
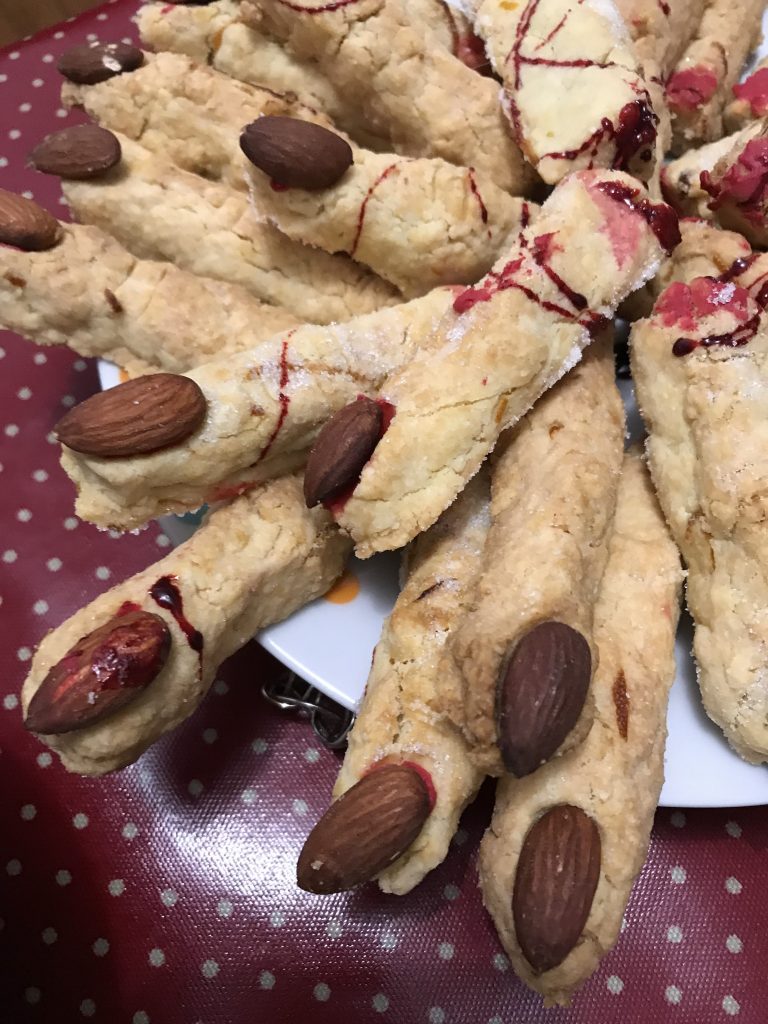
(166, 593)
(661, 218)
(686, 305)
(744, 184)
(691, 88)
(283, 399)
(755, 91)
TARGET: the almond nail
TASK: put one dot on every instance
(295, 153)
(26, 225)
(342, 448)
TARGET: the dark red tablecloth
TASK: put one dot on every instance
(166, 893)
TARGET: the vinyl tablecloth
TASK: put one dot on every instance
(166, 893)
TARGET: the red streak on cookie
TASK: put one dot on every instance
(227, 493)
(755, 91)
(664, 7)
(283, 399)
(414, 766)
(541, 250)
(361, 215)
(744, 184)
(476, 193)
(691, 88)
(613, 199)
(277, 186)
(127, 607)
(166, 593)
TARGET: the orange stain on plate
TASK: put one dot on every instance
(124, 375)
(344, 589)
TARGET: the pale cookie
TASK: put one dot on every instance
(265, 407)
(94, 296)
(425, 99)
(660, 30)
(161, 212)
(681, 178)
(700, 365)
(501, 346)
(252, 563)
(417, 223)
(700, 86)
(611, 784)
(553, 491)
(402, 717)
(750, 99)
(573, 88)
(185, 112)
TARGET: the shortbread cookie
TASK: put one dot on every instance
(264, 409)
(681, 178)
(188, 113)
(700, 86)
(749, 100)
(502, 345)
(208, 229)
(700, 365)
(566, 844)
(252, 563)
(402, 719)
(418, 223)
(94, 296)
(553, 492)
(427, 100)
(573, 87)
(660, 31)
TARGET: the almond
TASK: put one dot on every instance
(96, 62)
(25, 224)
(104, 671)
(342, 448)
(540, 694)
(136, 418)
(80, 153)
(295, 153)
(366, 829)
(557, 874)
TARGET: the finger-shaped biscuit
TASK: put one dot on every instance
(583, 823)
(161, 212)
(94, 296)
(265, 407)
(573, 87)
(660, 31)
(553, 493)
(418, 223)
(402, 719)
(501, 346)
(252, 563)
(700, 365)
(749, 100)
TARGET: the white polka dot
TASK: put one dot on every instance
(24, 394)
(4, 78)
(674, 933)
(11, 429)
(267, 979)
(37, 82)
(101, 17)
(24, 654)
(220, 688)
(614, 984)
(733, 885)
(224, 908)
(79, 365)
(47, 58)
(70, 523)
(673, 994)
(14, 56)
(436, 1015)
(13, 867)
(24, 515)
(461, 837)
(32, 995)
(334, 929)
(495, 1020)
(80, 820)
(210, 969)
(500, 962)
(53, 564)
(10, 556)
(169, 897)
(195, 787)
(678, 874)
(322, 992)
(24, 108)
(103, 573)
(312, 754)
(299, 808)
(733, 829)
(624, 923)
(14, 134)
(380, 1002)
(445, 951)
(210, 736)
(61, 112)
(39, 476)
(116, 887)
(87, 1007)
(677, 818)
(63, 877)
(734, 944)
(140, 1017)
(156, 957)
(28, 194)
(451, 892)
(130, 831)
(10, 701)
(44, 759)
(162, 541)
(248, 796)
(40, 359)
(730, 1006)
(259, 746)
(100, 947)
(277, 919)
(388, 940)
(28, 812)
(40, 607)
(49, 936)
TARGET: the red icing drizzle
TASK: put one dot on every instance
(476, 193)
(127, 607)
(336, 504)
(361, 215)
(165, 593)
(227, 493)
(755, 91)
(686, 305)
(661, 218)
(744, 184)
(283, 398)
(664, 6)
(541, 250)
(691, 88)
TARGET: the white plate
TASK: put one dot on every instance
(330, 642)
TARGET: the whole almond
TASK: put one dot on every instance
(25, 224)
(295, 153)
(540, 694)
(103, 672)
(557, 874)
(80, 153)
(366, 829)
(96, 62)
(342, 448)
(141, 416)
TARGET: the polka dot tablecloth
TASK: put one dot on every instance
(166, 893)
